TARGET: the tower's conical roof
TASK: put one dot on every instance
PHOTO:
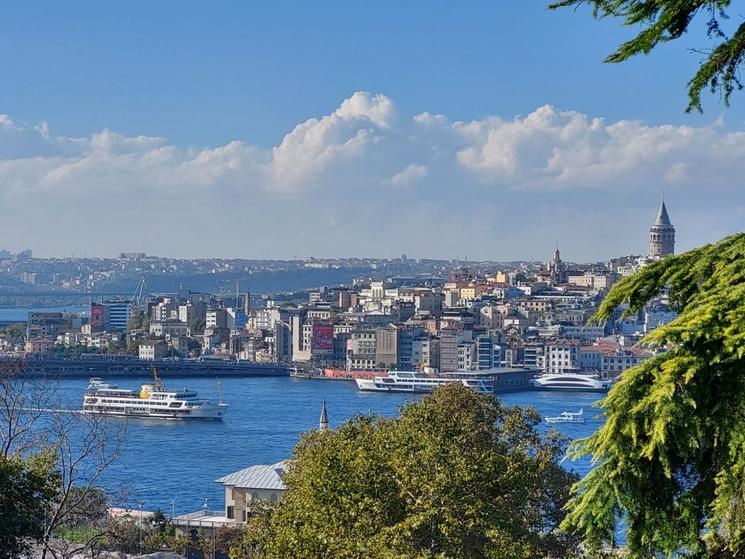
(324, 416)
(662, 217)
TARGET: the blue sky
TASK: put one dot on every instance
(201, 75)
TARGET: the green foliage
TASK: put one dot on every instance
(138, 321)
(197, 326)
(670, 457)
(666, 20)
(26, 486)
(88, 507)
(126, 536)
(158, 521)
(14, 332)
(457, 475)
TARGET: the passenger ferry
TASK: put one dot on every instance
(576, 382)
(413, 381)
(153, 401)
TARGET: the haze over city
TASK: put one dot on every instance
(214, 136)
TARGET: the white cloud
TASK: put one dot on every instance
(409, 175)
(331, 164)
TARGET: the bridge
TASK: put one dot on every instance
(65, 294)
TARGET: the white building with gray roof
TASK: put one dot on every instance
(262, 482)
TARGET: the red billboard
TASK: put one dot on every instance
(98, 317)
(322, 340)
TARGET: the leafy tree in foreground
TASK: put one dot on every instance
(50, 465)
(457, 475)
(670, 458)
(666, 20)
(26, 485)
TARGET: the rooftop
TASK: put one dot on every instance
(257, 477)
(662, 217)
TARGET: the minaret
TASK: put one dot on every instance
(323, 424)
(661, 234)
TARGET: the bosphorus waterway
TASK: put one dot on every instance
(173, 464)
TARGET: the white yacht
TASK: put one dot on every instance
(567, 417)
(413, 381)
(576, 382)
(152, 401)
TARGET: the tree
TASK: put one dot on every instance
(14, 332)
(84, 446)
(25, 486)
(666, 20)
(56, 457)
(138, 321)
(23, 399)
(670, 457)
(457, 475)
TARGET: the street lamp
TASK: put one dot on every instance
(141, 526)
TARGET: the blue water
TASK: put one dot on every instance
(20, 314)
(167, 461)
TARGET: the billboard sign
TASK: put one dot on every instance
(322, 338)
(98, 317)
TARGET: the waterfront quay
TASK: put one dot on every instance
(126, 366)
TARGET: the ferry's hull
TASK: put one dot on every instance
(211, 412)
(370, 386)
(570, 388)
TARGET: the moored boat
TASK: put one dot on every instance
(577, 382)
(413, 381)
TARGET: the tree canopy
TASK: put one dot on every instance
(26, 486)
(670, 457)
(456, 475)
(666, 20)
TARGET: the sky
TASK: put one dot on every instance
(487, 129)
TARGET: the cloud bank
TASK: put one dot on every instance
(366, 167)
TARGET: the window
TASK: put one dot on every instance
(230, 513)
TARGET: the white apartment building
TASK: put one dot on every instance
(562, 355)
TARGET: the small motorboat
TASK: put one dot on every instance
(567, 417)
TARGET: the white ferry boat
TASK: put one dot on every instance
(413, 381)
(571, 381)
(152, 401)
(567, 417)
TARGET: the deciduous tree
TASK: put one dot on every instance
(26, 485)
(457, 475)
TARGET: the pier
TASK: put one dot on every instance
(120, 366)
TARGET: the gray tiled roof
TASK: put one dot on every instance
(257, 477)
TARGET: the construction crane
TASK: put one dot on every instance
(141, 291)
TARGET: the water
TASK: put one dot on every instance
(20, 314)
(171, 461)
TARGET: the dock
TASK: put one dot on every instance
(122, 366)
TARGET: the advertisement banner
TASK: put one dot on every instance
(322, 338)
